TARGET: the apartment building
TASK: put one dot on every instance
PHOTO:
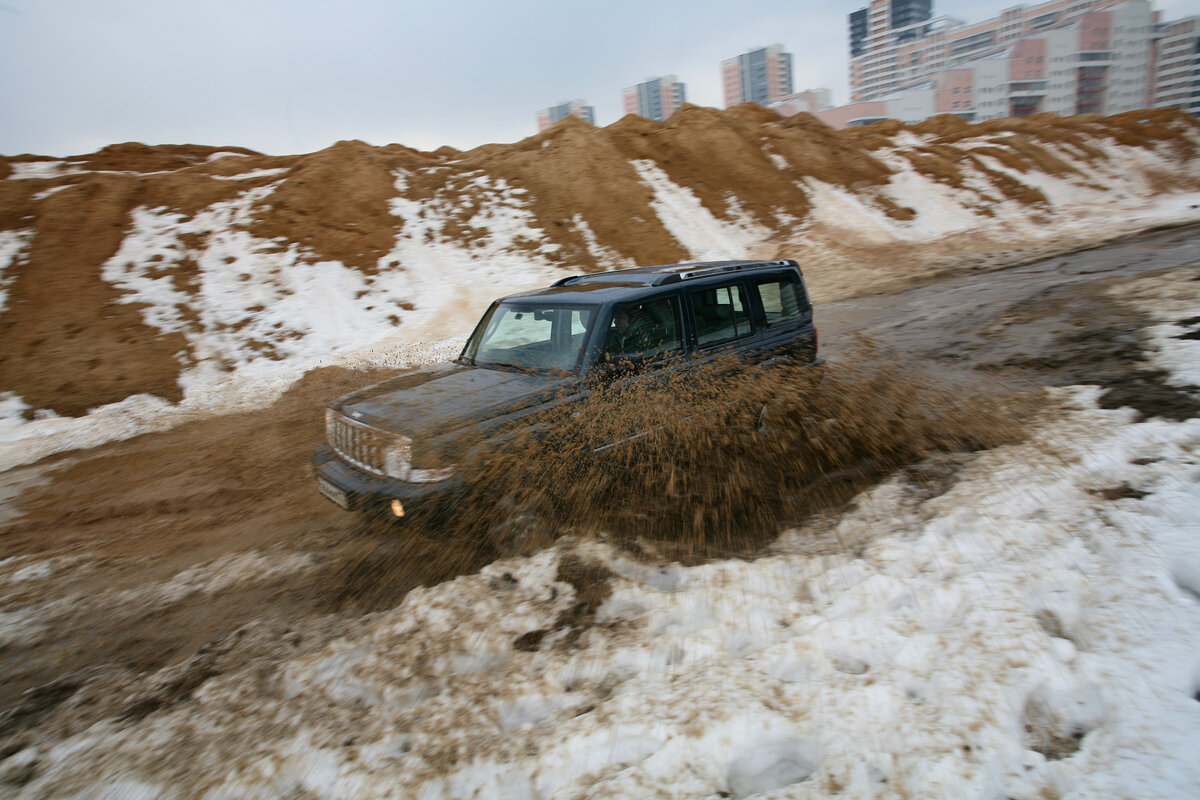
(1065, 57)
(1176, 80)
(892, 47)
(575, 108)
(758, 76)
(656, 98)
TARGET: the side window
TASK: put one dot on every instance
(721, 314)
(650, 328)
(782, 300)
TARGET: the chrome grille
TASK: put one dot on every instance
(360, 444)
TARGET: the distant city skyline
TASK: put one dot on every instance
(295, 76)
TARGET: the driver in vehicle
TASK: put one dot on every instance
(631, 331)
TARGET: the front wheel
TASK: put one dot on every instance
(523, 523)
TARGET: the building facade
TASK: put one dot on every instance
(657, 98)
(758, 76)
(575, 108)
(1176, 82)
(1066, 57)
(893, 48)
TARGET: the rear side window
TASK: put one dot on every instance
(783, 300)
(721, 314)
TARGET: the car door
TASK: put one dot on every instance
(784, 313)
(722, 325)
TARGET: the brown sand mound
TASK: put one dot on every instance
(334, 203)
(576, 170)
(70, 343)
(137, 157)
(721, 158)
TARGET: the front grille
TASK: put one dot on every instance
(360, 444)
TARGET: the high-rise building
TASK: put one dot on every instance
(906, 13)
(1078, 57)
(758, 76)
(896, 44)
(1176, 82)
(657, 98)
(576, 108)
(1063, 56)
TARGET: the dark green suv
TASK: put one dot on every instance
(391, 448)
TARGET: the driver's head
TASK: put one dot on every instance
(621, 320)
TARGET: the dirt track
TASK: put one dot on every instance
(132, 614)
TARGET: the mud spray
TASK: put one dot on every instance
(696, 464)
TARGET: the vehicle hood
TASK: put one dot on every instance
(434, 401)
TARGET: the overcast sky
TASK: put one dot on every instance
(295, 76)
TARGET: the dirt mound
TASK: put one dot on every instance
(583, 198)
(943, 125)
(69, 344)
(579, 182)
(335, 203)
(720, 158)
(137, 157)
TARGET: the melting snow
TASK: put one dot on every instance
(704, 236)
(11, 245)
(994, 641)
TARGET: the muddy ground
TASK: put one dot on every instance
(150, 541)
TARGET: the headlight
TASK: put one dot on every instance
(397, 459)
(397, 463)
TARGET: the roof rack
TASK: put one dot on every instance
(672, 273)
(738, 266)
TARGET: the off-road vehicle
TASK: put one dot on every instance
(386, 446)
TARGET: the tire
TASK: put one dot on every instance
(523, 523)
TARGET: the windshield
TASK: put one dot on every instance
(531, 336)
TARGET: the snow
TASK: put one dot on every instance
(254, 173)
(12, 243)
(1105, 198)
(1017, 636)
(705, 237)
(26, 170)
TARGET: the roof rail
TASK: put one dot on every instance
(673, 273)
(705, 272)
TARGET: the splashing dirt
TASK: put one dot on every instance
(704, 463)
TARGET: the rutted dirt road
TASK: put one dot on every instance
(139, 569)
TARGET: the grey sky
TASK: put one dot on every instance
(294, 76)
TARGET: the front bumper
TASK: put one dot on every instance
(356, 490)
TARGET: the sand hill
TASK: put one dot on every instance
(168, 270)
